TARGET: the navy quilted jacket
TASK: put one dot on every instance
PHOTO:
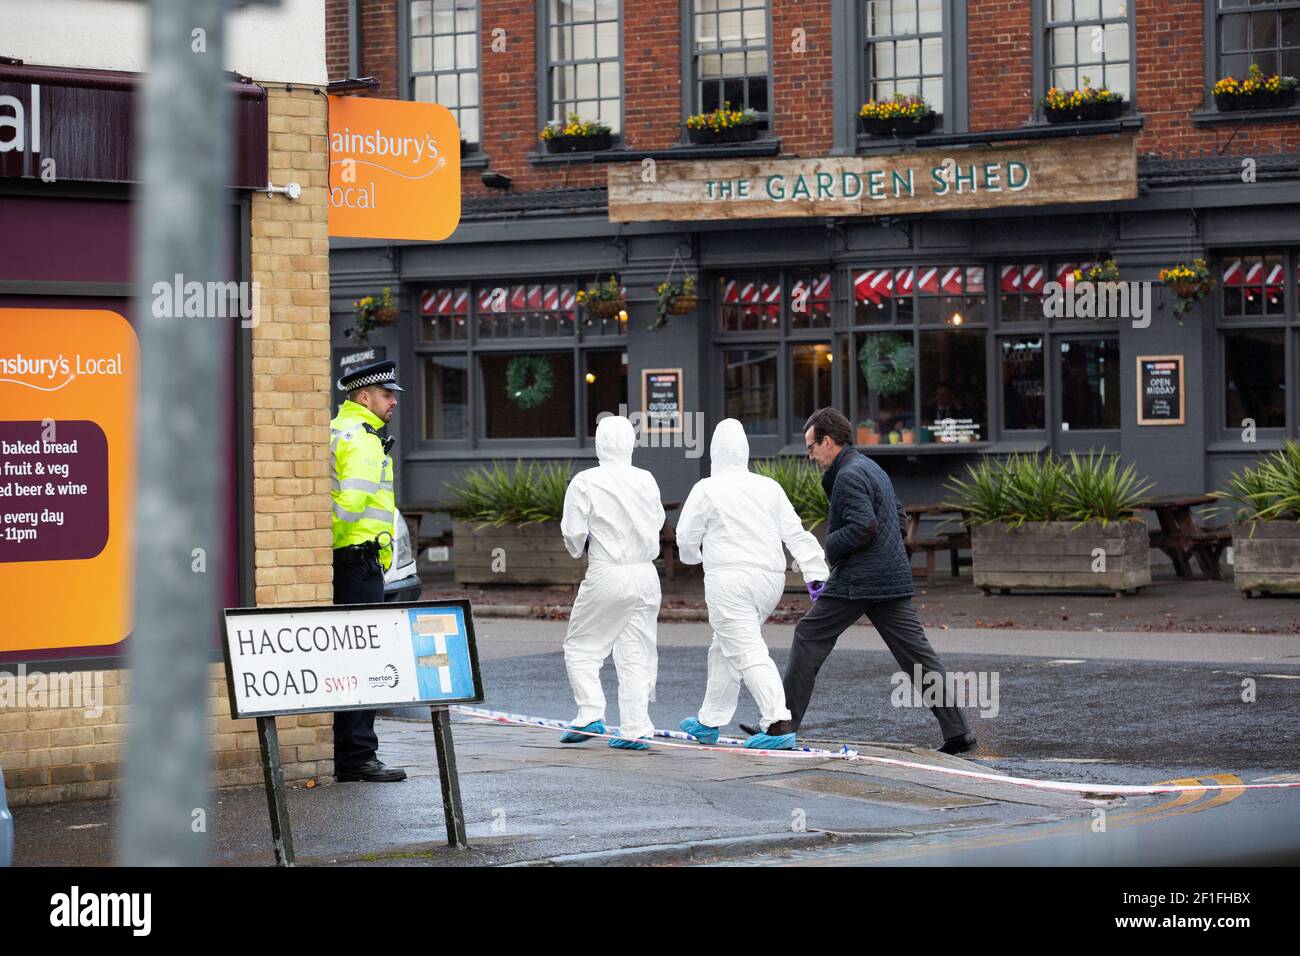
(865, 531)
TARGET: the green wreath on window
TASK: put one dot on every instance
(520, 390)
(887, 362)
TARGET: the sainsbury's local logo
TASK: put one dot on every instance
(393, 154)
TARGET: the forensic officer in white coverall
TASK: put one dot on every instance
(735, 522)
(614, 512)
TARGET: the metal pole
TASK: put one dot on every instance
(452, 809)
(183, 154)
(268, 738)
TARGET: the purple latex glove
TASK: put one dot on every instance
(815, 589)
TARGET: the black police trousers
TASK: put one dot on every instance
(358, 579)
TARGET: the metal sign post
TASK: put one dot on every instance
(268, 739)
(452, 810)
(305, 660)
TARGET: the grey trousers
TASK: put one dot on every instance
(818, 630)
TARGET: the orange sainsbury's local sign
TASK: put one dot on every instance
(394, 169)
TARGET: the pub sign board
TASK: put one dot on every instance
(1096, 169)
(1160, 390)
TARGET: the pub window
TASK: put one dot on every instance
(925, 379)
(781, 373)
(1090, 38)
(1253, 319)
(904, 50)
(749, 391)
(518, 360)
(510, 416)
(1021, 289)
(1023, 384)
(1089, 383)
(584, 65)
(446, 397)
(730, 53)
(444, 54)
(605, 383)
(1266, 32)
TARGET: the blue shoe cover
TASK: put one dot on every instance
(701, 732)
(595, 727)
(623, 744)
(768, 742)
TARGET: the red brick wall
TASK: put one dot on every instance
(1000, 65)
(801, 80)
(1170, 78)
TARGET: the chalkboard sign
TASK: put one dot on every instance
(661, 399)
(346, 359)
(1160, 390)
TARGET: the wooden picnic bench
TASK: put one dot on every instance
(1183, 538)
(952, 540)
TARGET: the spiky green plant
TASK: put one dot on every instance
(1268, 490)
(1024, 488)
(496, 495)
(801, 481)
(1097, 489)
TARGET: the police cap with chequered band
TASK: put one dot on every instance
(376, 373)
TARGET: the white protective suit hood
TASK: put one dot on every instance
(613, 511)
(737, 519)
(615, 439)
(729, 449)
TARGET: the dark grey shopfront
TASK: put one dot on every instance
(789, 308)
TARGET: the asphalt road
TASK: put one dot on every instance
(1080, 707)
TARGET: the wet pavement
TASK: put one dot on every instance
(1085, 707)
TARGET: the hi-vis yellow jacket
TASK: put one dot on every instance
(362, 488)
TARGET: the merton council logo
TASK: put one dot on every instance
(388, 677)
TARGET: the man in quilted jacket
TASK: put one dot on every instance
(871, 574)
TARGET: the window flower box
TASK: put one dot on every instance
(899, 116)
(723, 125)
(1084, 105)
(1255, 92)
(576, 135)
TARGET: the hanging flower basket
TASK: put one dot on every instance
(603, 301)
(1105, 271)
(530, 380)
(1082, 105)
(674, 298)
(576, 135)
(899, 116)
(1189, 284)
(372, 311)
(683, 304)
(1255, 92)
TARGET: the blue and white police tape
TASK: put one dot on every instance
(736, 746)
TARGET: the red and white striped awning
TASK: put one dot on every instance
(1237, 273)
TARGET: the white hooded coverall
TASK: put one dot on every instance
(741, 519)
(614, 511)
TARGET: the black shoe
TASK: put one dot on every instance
(958, 745)
(776, 730)
(372, 771)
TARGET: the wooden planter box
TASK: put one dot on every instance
(1059, 556)
(1266, 557)
(794, 579)
(731, 134)
(1086, 112)
(533, 553)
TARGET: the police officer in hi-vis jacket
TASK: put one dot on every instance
(362, 491)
